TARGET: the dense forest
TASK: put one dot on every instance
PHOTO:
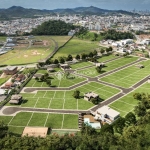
(128, 133)
(53, 27)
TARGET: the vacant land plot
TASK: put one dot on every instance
(127, 103)
(64, 99)
(55, 82)
(129, 76)
(76, 46)
(80, 65)
(109, 66)
(62, 121)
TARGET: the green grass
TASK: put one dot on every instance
(70, 121)
(21, 119)
(128, 76)
(5, 119)
(76, 46)
(105, 58)
(92, 72)
(80, 65)
(38, 119)
(54, 121)
(127, 103)
(42, 71)
(16, 130)
(64, 82)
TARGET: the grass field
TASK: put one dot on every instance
(127, 103)
(55, 82)
(109, 66)
(23, 54)
(76, 46)
(3, 80)
(62, 121)
(129, 76)
(64, 99)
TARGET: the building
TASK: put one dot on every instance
(89, 95)
(100, 64)
(15, 99)
(64, 66)
(2, 94)
(20, 78)
(10, 70)
(106, 114)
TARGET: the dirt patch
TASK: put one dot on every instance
(144, 36)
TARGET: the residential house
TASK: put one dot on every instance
(10, 70)
(88, 96)
(64, 66)
(106, 114)
(15, 99)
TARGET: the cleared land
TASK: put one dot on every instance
(129, 76)
(62, 121)
(64, 99)
(91, 72)
(127, 103)
(76, 46)
(55, 82)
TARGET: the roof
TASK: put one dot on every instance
(64, 65)
(11, 68)
(16, 97)
(91, 94)
(14, 101)
(35, 131)
(2, 91)
(109, 111)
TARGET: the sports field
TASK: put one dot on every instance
(29, 53)
(91, 71)
(127, 103)
(23, 119)
(129, 76)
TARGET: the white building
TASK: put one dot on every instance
(106, 114)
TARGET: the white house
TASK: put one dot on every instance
(106, 114)
(89, 95)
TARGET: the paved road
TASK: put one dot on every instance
(124, 91)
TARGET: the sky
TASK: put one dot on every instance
(54, 4)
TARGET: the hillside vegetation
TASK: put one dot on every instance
(53, 27)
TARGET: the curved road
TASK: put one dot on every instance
(124, 91)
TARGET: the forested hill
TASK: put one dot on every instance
(53, 27)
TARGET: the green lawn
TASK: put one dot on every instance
(64, 82)
(65, 100)
(127, 103)
(76, 46)
(91, 72)
(80, 65)
(3, 80)
(128, 76)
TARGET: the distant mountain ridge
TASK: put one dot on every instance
(18, 11)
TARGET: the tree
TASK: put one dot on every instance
(137, 96)
(37, 78)
(99, 69)
(94, 101)
(140, 110)
(95, 53)
(107, 129)
(76, 94)
(102, 50)
(61, 60)
(3, 129)
(56, 61)
(130, 118)
(83, 56)
(48, 82)
(119, 125)
(77, 57)
(91, 55)
(69, 58)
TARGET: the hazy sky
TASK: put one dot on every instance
(53, 4)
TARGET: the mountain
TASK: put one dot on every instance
(20, 12)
